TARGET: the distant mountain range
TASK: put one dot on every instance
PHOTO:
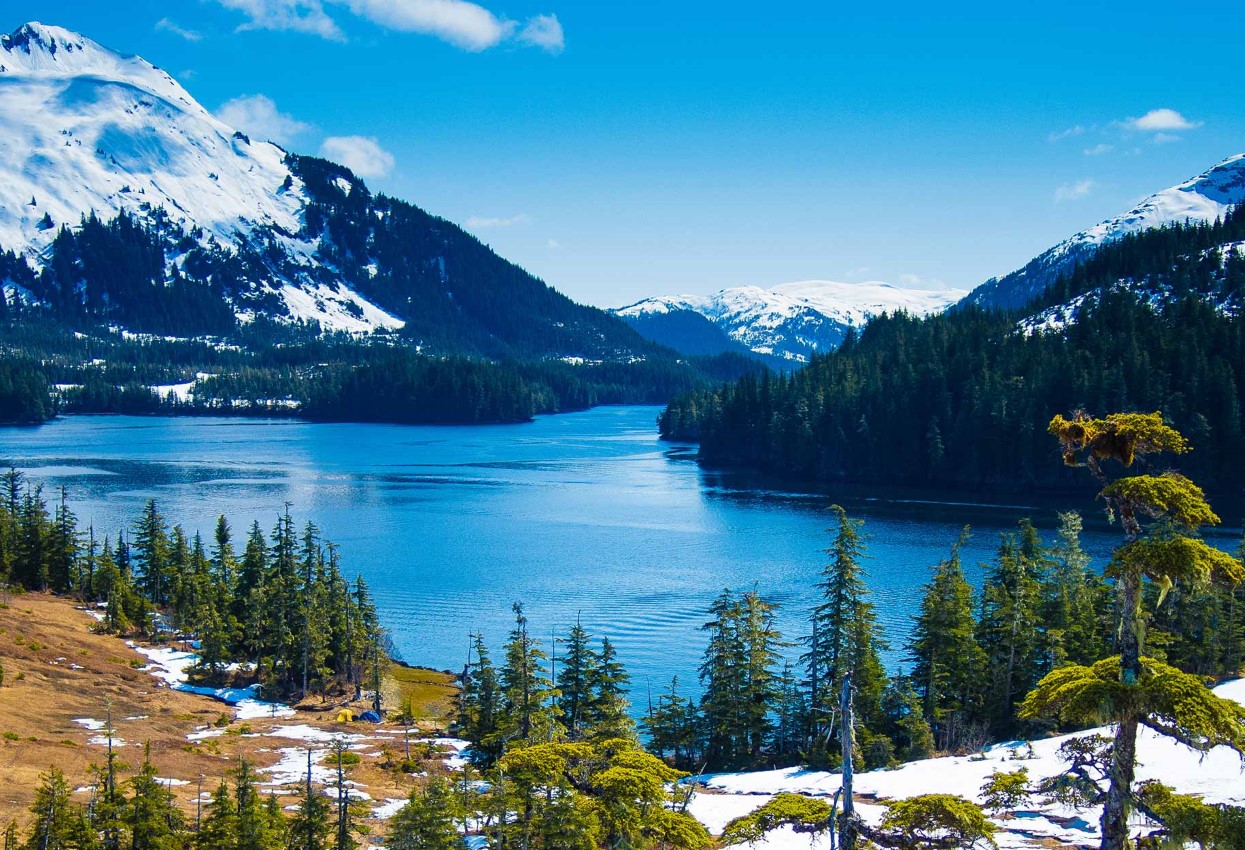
(783, 324)
(1206, 197)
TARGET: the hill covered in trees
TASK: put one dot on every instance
(1150, 322)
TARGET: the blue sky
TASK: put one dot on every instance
(620, 150)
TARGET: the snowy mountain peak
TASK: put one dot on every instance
(1206, 197)
(791, 321)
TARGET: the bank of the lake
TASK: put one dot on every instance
(585, 514)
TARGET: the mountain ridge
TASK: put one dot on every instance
(790, 322)
(1203, 198)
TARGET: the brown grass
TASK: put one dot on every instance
(56, 669)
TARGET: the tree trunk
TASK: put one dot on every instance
(1118, 804)
(847, 738)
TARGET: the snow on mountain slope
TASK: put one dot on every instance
(1203, 198)
(793, 320)
(88, 129)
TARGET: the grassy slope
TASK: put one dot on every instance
(56, 670)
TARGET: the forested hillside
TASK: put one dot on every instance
(1151, 322)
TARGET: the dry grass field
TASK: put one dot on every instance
(57, 671)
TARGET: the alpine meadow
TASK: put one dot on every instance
(448, 425)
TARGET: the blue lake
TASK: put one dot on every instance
(585, 514)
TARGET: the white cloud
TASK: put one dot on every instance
(257, 115)
(461, 23)
(361, 154)
(1160, 120)
(545, 32)
(1164, 138)
(1073, 191)
(1065, 134)
(1099, 149)
(298, 15)
(477, 222)
(168, 26)
(554, 244)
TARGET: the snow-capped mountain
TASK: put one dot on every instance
(1203, 198)
(791, 321)
(106, 162)
(88, 129)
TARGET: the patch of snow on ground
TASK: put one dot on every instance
(90, 723)
(1217, 776)
(172, 666)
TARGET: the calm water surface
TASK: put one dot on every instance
(583, 514)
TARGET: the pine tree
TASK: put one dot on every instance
(844, 637)
(152, 816)
(579, 664)
(947, 662)
(607, 712)
(311, 825)
(153, 550)
(671, 726)
(58, 824)
(428, 820)
(219, 830)
(528, 715)
(1008, 630)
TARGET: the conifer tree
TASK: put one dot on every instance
(1160, 515)
(428, 820)
(947, 661)
(607, 713)
(311, 825)
(219, 830)
(528, 714)
(579, 664)
(153, 551)
(58, 823)
(844, 637)
(1008, 631)
(152, 816)
(479, 702)
(671, 726)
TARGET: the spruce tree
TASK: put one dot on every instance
(311, 825)
(219, 829)
(428, 820)
(528, 714)
(947, 663)
(579, 664)
(844, 637)
(1008, 631)
(152, 816)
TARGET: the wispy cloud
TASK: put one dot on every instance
(1073, 191)
(1099, 149)
(298, 15)
(361, 154)
(461, 23)
(166, 25)
(554, 244)
(545, 32)
(1077, 130)
(477, 222)
(1161, 120)
(257, 115)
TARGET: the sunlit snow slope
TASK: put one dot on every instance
(793, 320)
(1203, 198)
